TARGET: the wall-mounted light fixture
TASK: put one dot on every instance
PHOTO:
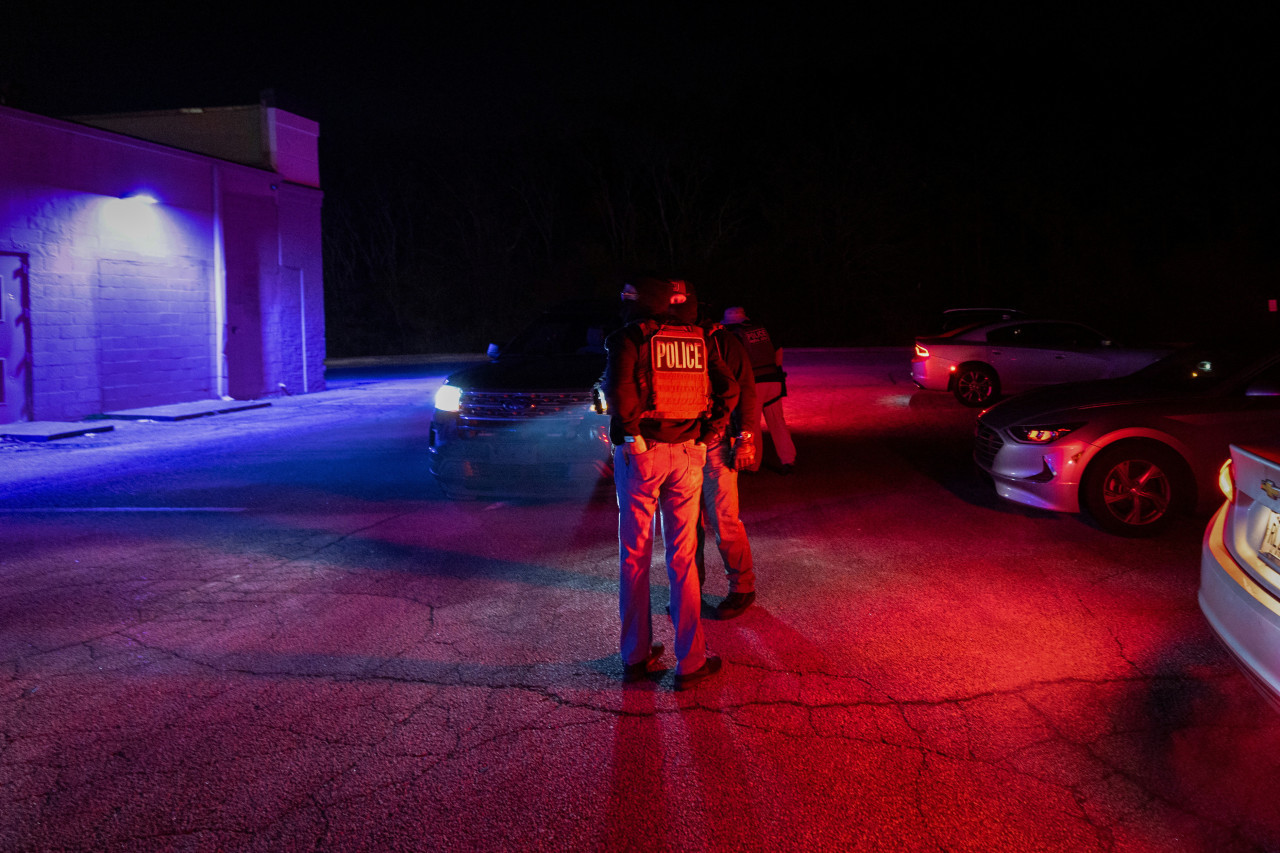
(135, 218)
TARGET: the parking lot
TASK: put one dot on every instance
(269, 630)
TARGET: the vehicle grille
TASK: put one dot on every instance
(986, 444)
(506, 407)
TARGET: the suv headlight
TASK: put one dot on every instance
(1043, 433)
(448, 398)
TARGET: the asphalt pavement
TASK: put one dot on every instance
(267, 630)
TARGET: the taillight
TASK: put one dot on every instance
(1227, 479)
(921, 352)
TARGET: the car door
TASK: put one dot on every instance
(1079, 352)
(1028, 355)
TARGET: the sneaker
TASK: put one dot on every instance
(735, 604)
(636, 671)
(786, 469)
(708, 669)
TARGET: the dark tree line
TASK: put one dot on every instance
(843, 206)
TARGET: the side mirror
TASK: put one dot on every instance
(493, 351)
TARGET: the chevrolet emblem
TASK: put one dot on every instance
(1270, 488)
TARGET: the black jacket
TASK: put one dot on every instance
(621, 389)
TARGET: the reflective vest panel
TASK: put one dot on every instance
(678, 382)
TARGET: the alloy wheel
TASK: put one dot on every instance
(1137, 492)
(975, 386)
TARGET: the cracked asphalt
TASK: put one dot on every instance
(268, 630)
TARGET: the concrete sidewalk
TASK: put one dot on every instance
(54, 430)
(340, 373)
(43, 451)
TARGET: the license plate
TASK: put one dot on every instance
(1270, 547)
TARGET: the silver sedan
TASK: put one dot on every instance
(1240, 566)
(980, 363)
(1132, 452)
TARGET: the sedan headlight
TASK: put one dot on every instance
(448, 398)
(1043, 433)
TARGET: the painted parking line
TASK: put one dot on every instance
(38, 509)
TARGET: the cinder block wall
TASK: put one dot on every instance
(124, 296)
(303, 292)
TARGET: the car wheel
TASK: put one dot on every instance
(1135, 489)
(976, 385)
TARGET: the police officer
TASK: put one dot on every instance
(669, 397)
(720, 475)
(771, 387)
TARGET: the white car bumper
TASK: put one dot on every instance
(1043, 476)
(1244, 615)
(932, 373)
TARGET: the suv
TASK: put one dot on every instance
(524, 425)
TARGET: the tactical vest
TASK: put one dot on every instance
(672, 372)
(760, 351)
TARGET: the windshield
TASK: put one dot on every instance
(560, 334)
(1199, 367)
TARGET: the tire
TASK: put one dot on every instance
(976, 385)
(1136, 489)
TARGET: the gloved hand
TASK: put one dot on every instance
(744, 452)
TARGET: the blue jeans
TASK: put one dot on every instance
(720, 511)
(666, 481)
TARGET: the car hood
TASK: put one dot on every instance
(551, 373)
(1063, 402)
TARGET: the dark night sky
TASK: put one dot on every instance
(1158, 120)
(468, 63)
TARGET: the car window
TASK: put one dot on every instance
(962, 318)
(1071, 335)
(1022, 335)
(1047, 335)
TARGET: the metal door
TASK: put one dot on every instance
(15, 339)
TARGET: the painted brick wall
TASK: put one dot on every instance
(124, 296)
(301, 259)
(155, 332)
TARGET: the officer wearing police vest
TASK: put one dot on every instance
(724, 460)
(771, 385)
(669, 396)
